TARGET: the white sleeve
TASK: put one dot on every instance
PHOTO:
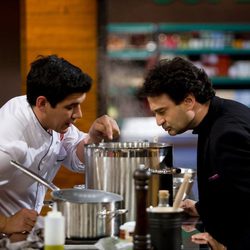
(71, 140)
(6, 170)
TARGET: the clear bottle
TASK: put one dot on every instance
(54, 230)
(163, 197)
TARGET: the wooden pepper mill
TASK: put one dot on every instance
(141, 238)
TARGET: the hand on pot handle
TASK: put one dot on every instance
(22, 221)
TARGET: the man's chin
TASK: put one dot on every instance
(172, 132)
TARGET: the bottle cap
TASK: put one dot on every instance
(54, 212)
(163, 194)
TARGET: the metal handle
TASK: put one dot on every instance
(35, 176)
(48, 203)
(166, 170)
(105, 212)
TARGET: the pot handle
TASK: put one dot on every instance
(163, 168)
(34, 176)
(166, 170)
(48, 203)
(117, 212)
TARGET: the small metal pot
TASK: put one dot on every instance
(89, 213)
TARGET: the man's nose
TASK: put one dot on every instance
(159, 120)
(77, 112)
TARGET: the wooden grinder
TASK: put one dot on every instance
(141, 238)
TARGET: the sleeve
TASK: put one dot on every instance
(231, 150)
(70, 142)
(15, 150)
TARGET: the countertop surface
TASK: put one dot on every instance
(190, 226)
(75, 247)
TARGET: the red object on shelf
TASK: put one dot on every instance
(223, 65)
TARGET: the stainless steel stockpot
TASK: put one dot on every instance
(110, 167)
(89, 214)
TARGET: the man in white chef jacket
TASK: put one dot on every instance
(37, 130)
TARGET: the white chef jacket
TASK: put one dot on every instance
(23, 139)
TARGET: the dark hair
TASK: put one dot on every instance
(55, 78)
(177, 78)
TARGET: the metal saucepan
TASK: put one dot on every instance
(89, 213)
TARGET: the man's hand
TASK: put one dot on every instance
(103, 127)
(206, 238)
(21, 222)
(189, 207)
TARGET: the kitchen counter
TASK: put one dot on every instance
(76, 247)
(190, 226)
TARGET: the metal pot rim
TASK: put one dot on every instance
(85, 196)
(128, 145)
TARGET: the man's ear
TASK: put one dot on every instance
(41, 103)
(189, 101)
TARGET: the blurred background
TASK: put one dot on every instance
(116, 43)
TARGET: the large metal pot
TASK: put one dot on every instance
(110, 167)
(89, 214)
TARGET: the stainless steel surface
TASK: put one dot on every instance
(178, 179)
(110, 167)
(85, 220)
(76, 247)
(164, 171)
(89, 213)
(85, 196)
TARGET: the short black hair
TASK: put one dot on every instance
(177, 78)
(55, 78)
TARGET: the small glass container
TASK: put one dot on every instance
(163, 196)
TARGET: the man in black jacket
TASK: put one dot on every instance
(182, 98)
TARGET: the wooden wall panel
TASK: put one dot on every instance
(68, 29)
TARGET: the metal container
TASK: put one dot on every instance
(89, 214)
(165, 226)
(110, 167)
(178, 179)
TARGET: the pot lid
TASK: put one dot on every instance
(85, 196)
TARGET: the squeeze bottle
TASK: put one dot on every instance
(54, 230)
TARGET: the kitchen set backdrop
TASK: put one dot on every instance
(129, 39)
(157, 29)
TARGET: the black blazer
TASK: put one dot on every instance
(223, 172)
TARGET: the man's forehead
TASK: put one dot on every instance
(159, 102)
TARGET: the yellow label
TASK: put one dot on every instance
(54, 247)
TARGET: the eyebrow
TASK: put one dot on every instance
(159, 110)
(71, 104)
